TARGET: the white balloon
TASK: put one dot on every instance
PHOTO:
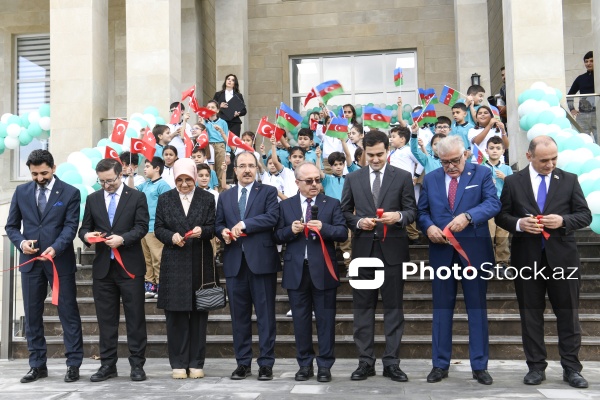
(88, 175)
(586, 138)
(584, 177)
(527, 107)
(593, 200)
(80, 160)
(583, 154)
(539, 85)
(5, 117)
(565, 157)
(13, 130)
(395, 113)
(150, 119)
(552, 128)
(11, 142)
(33, 117)
(540, 106)
(537, 130)
(558, 112)
(594, 174)
(570, 131)
(45, 123)
(303, 113)
(564, 134)
(136, 115)
(549, 90)
(101, 149)
(134, 125)
(90, 190)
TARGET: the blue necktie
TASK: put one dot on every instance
(541, 194)
(242, 203)
(112, 208)
(42, 201)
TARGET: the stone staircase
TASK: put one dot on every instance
(504, 323)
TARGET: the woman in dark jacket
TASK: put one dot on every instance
(184, 262)
(231, 89)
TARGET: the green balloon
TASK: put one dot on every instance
(97, 186)
(590, 165)
(143, 123)
(528, 121)
(44, 110)
(304, 125)
(574, 167)
(563, 122)
(3, 133)
(359, 112)
(151, 110)
(2, 146)
(160, 121)
(594, 148)
(574, 143)
(595, 225)
(551, 99)
(116, 146)
(103, 142)
(64, 167)
(13, 119)
(25, 120)
(388, 107)
(25, 138)
(131, 133)
(34, 130)
(72, 177)
(83, 191)
(92, 153)
(560, 143)
(545, 117)
(394, 106)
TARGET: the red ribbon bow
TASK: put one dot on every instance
(324, 249)
(379, 215)
(100, 239)
(450, 236)
(544, 233)
(55, 281)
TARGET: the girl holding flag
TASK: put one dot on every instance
(485, 128)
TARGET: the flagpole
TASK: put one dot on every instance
(423, 109)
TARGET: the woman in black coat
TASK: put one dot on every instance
(231, 89)
(184, 262)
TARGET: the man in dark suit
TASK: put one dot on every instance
(555, 196)
(462, 197)
(121, 214)
(306, 276)
(246, 217)
(379, 186)
(48, 211)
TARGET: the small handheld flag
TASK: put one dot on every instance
(138, 146)
(118, 133)
(111, 153)
(424, 116)
(205, 112)
(376, 117)
(398, 77)
(176, 115)
(234, 141)
(329, 89)
(311, 95)
(149, 137)
(495, 112)
(428, 96)
(313, 124)
(266, 129)
(287, 117)
(479, 155)
(189, 145)
(338, 128)
(188, 93)
(202, 140)
(449, 96)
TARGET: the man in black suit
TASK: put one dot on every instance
(48, 211)
(121, 214)
(379, 186)
(305, 274)
(555, 196)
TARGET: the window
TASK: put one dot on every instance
(32, 89)
(366, 78)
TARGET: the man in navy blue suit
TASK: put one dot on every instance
(246, 217)
(48, 210)
(463, 198)
(306, 276)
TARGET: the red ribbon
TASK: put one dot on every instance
(379, 215)
(187, 235)
(324, 249)
(544, 233)
(231, 235)
(99, 239)
(450, 236)
(55, 281)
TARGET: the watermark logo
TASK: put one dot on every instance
(366, 262)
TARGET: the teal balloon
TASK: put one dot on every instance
(551, 99)
(370, 105)
(25, 120)
(595, 225)
(537, 94)
(160, 121)
(14, 119)
(97, 186)
(559, 94)
(44, 110)
(131, 133)
(389, 107)
(574, 143)
(394, 106)
(83, 191)
(25, 138)
(545, 117)
(522, 97)
(588, 187)
(525, 122)
(151, 110)
(72, 178)
(563, 122)
(394, 120)
(2, 146)
(81, 211)
(594, 148)
(3, 133)
(359, 112)
(103, 142)
(571, 131)
(590, 165)
(92, 153)
(142, 121)
(34, 130)
(64, 167)
(560, 142)
(574, 167)
(304, 125)
(118, 148)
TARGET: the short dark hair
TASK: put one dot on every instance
(460, 105)
(248, 133)
(436, 136)
(495, 140)
(159, 130)
(373, 137)
(443, 120)
(200, 150)
(244, 152)
(216, 103)
(125, 157)
(107, 164)
(202, 167)
(306, 132)
(157, 162)
(336, 156)
(171, 147)
(39, 157)
(589, 54)
(294, 149)
(474, 89)
(358, 153)
(175, 104)
(315, 113)
(402, 131)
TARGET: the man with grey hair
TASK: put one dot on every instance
(458, 199)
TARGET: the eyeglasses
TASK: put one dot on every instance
(442, 127)
(454, 162)
(107, 182)
(310, 181)
(244, 166)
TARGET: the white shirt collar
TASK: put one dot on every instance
(189, 195)
(303, 199)
(118, 191)
(248, 187)
(382, 170)
(533, 173)
(49, 185)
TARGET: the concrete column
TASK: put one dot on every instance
(79, 74)
(472, 43)
(191, 51)
(596, 49)
(232, 44)
(153, 54)
(534, 51)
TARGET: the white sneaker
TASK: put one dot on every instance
(289, 313)
(179, 374)
(196, 373)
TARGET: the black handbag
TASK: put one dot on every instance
(211, 298)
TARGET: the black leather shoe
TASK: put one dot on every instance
(34, 374)
(304, 373)
(394, 372)
(574, 378)
(241, 372)
(265, 373)
(437, 374)
(363, 371)
(483, 377)
(72, 374)
(105, 372)
(323, 375)
(137, 374)
(534, 377)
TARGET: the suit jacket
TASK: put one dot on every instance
(219, 97)
(476, 194)
(130, 222)
(396, 194)
(56, 228)
(181, 268)
(333, 230)
(261, 215)
(564, 198)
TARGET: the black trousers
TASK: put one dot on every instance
(108, 292)
(186, 338)
(365, 303)
(564, 298)
(235, 127)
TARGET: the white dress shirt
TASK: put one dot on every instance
(536, 181)
(186, 200)
(239, 195)
(228, 95)
(447, 179)
(49, 187)
(117, 197)
(371, 180)
(304, 206)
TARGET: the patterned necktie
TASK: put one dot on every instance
(112, 208)
(308, 210)
(452, 192)
(376, 187)
(42, 201)
(541, 194)
(242, 203)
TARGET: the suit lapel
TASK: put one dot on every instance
(441, 187)
(125, 196)
(32, 199)
(54, 195)
(465, 179)
(297, 207)
(252, 195)
(366, 186)
(554, 187)
(234, 202)
(101, 204)
(321, 202)
(526, 184)
(388, 177)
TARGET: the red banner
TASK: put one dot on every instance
(100, 239)
(324, 249)
(450, 236)
(55, 281)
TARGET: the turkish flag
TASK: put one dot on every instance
(176, 116)
(138, 146)
(111, 153)
(311, 95)
(266, 129)
(205, 112)
(313, 124)
(234, 141)
(188, 93)
(118, 133)
(149, 137)
(189, 145)
(202, 140)
(193, 104)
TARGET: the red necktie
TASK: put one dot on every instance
(452, 192)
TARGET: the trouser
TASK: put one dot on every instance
(500, 241)
(412, 231)
(346, 247)
(152, 248)
(219, 149)
(186, 338)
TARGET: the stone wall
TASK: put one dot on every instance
(577, 28)
(496, 39)
(117, 63)
(209, 54)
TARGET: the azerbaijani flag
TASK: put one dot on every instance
(398, 77)
(479, 155)
(338, 128)
(424, 116)
(329, 89)
(428, 96)
(449, 96)
(376, 117)
(288, 118)
(495, 111)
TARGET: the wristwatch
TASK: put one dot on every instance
(468, 216)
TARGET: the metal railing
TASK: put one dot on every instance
(8, 299)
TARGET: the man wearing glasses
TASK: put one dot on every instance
(462, 197)
(118, 214)
(246, 217)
